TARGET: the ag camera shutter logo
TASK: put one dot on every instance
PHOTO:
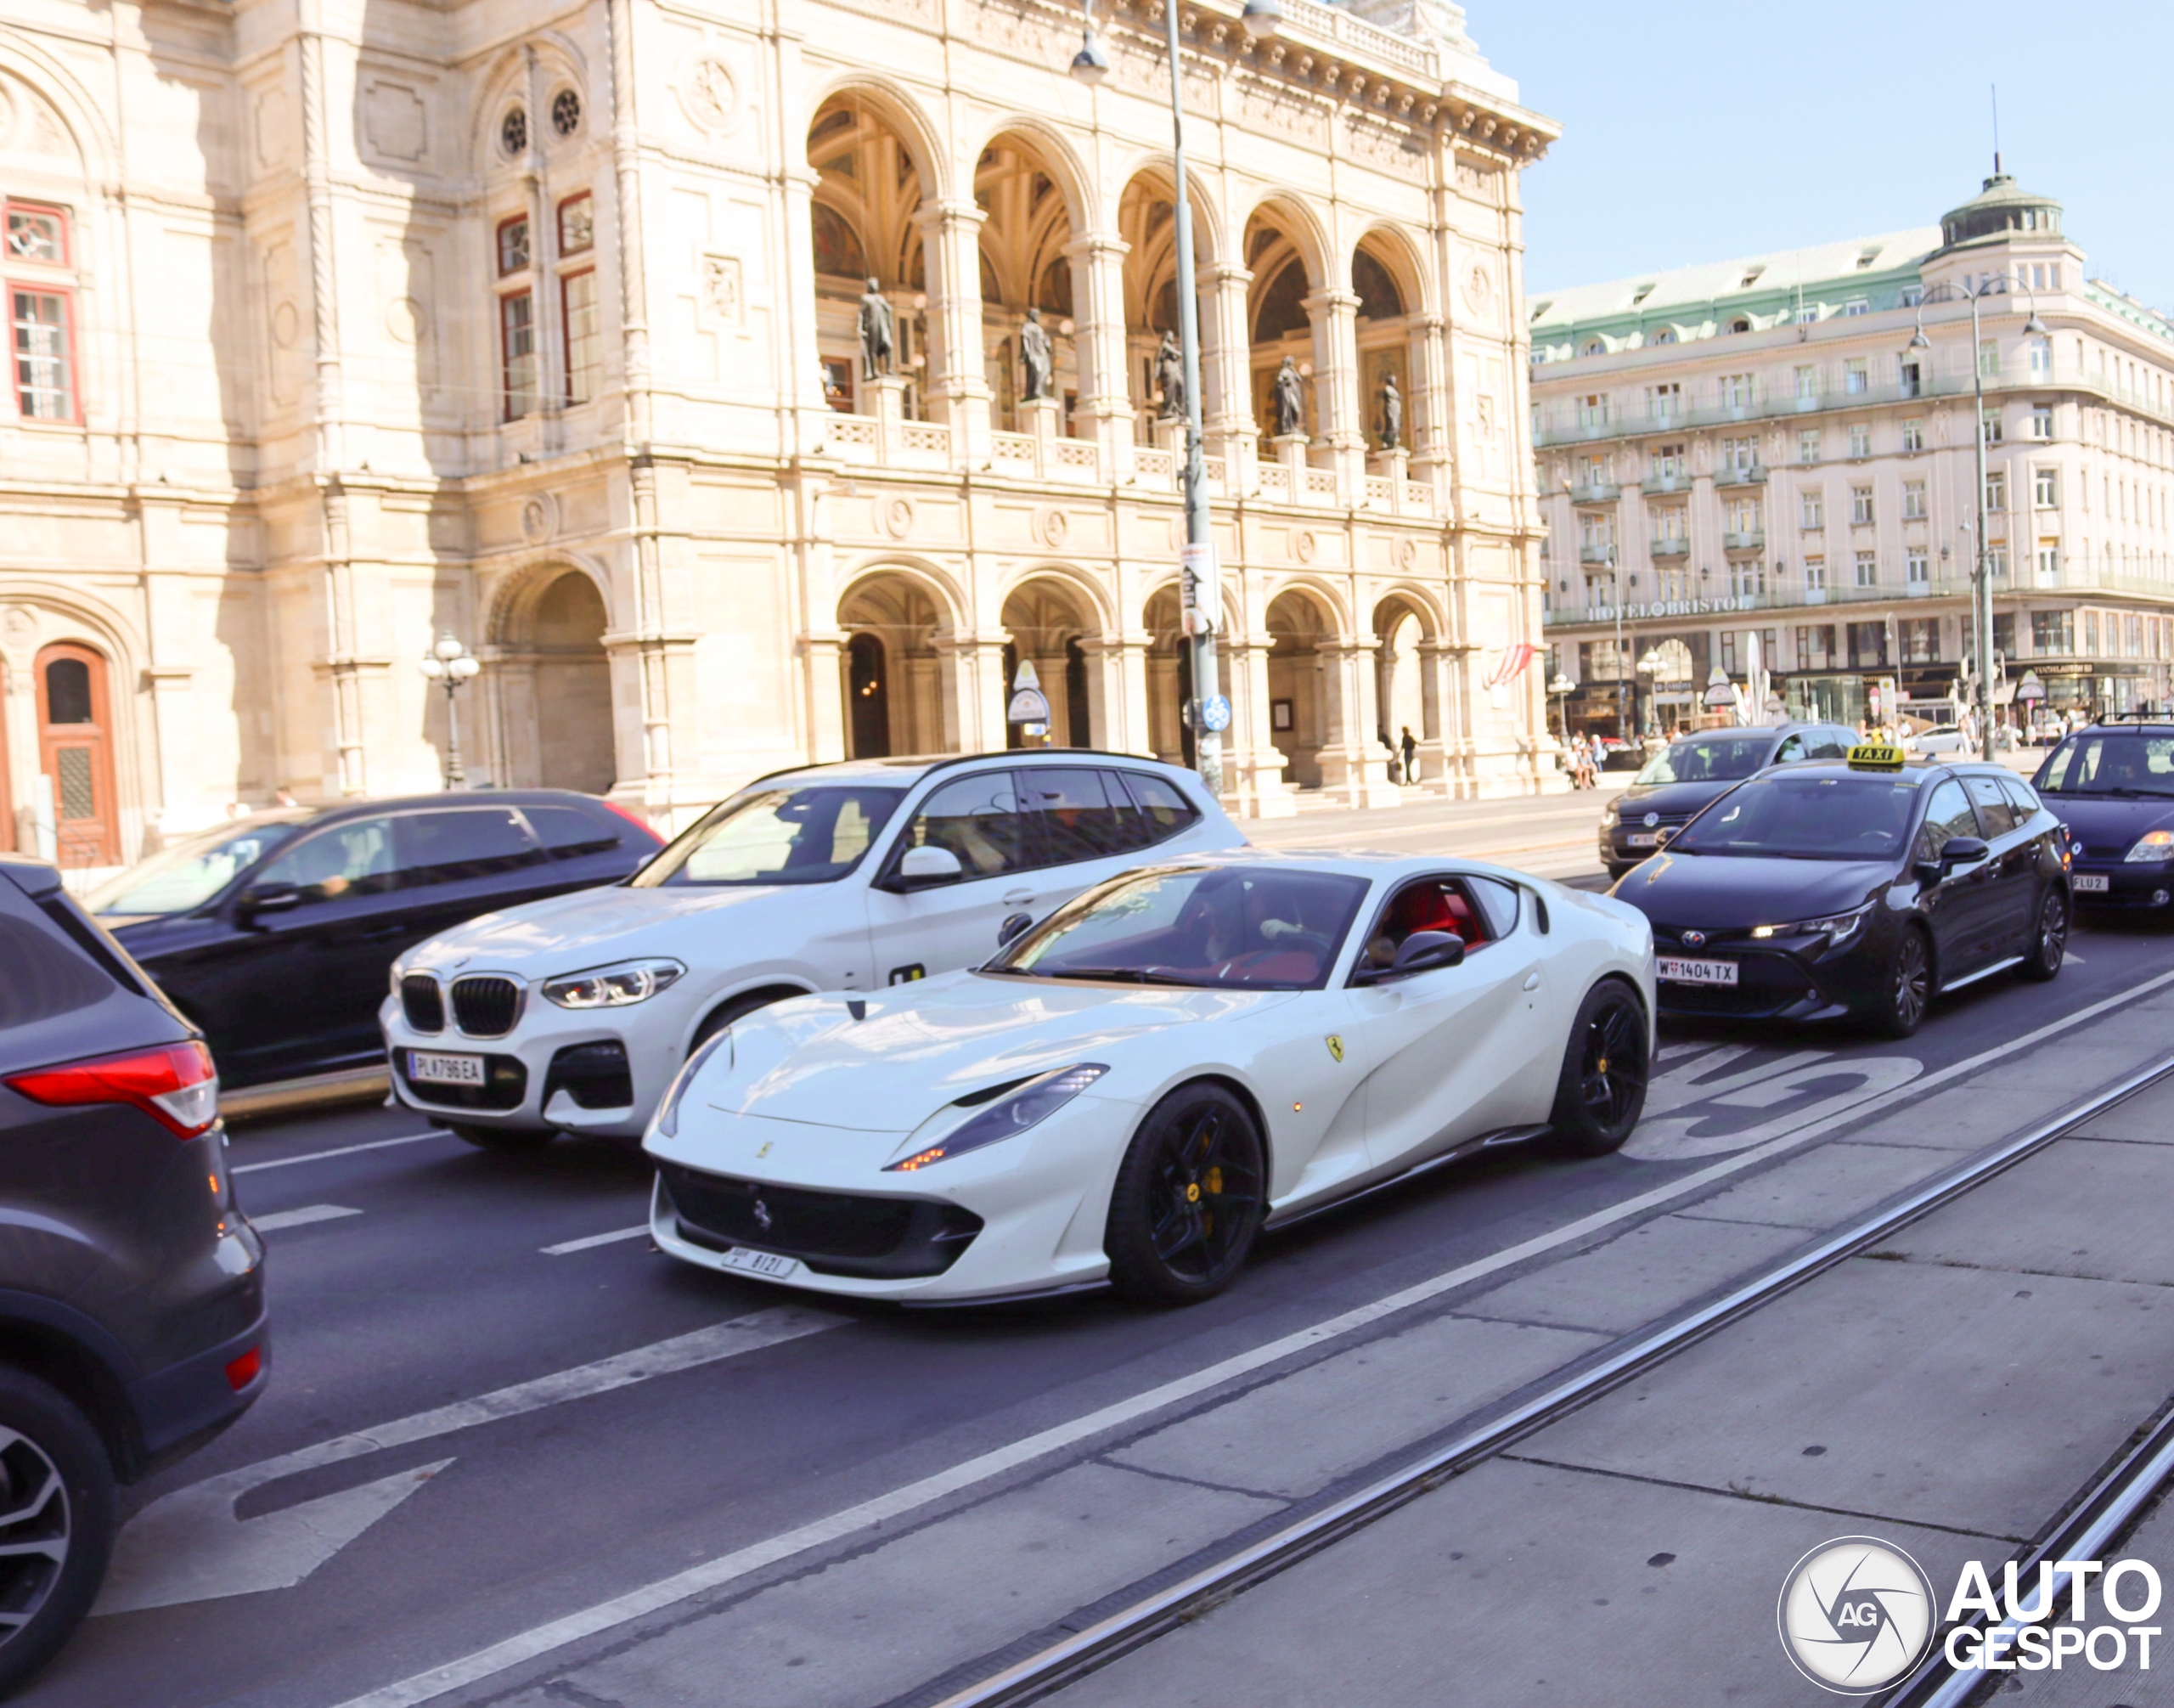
(1856, 1614)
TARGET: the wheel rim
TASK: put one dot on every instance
(1612, 1064)
(1202, 1194)
(1910, 980)
(2052, 931)
(34, 1530)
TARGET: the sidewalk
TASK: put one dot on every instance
(1947, 1393)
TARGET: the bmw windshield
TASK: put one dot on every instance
(1798, 817)
(1709, 759)
(2134, 767)
(790, 834)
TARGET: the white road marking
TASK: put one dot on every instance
(340, 1151)
(524, 1646)
(300, 1218)
(188, 1545)
(565, 1247)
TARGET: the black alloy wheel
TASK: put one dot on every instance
(57, 1521)
(1189, 1198)
(2049, 938)
(1909, 986)
(1601, 1091)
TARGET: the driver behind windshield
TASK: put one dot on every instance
(1708, 759)
(2123, 766)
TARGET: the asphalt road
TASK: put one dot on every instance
(410, 1273)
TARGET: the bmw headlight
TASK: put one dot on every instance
(2153, 845)
(667, 1124)
(618, 986)
(1014, 1112)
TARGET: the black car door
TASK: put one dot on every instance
(456, 863)
(1957, 903)
(2014, 863)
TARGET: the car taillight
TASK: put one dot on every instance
(174, 1084)
(243, 1371)
(639, 824)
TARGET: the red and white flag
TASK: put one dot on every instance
(1514, 661)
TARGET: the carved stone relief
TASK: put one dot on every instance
(396, 126)
(723, 300)
(708, 93)
(539, 518)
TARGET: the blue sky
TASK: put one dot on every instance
(1699, 131)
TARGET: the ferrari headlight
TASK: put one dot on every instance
(2153, 845)
(618, 986)
(1016, 1110)
(667, 1124)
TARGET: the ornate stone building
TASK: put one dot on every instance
(337, 324)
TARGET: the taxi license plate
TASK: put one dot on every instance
(759, 1262)
(429, 1067)
(1681, 972)
(1644, 839)
(2090, 883)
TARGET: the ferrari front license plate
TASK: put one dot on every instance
(1697, 972)
(2090, 883)
(1643, 839)
(430, 1068)
(759, 1262)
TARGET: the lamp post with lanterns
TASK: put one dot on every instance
(1201, 587)
(453, 666)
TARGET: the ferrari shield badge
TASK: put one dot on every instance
(1336, 1047)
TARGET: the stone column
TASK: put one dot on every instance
(1354, 763)
(959, 382)
(1099, 346)
(973, 692)
(1339, 412)
(1227, 374)
(822, 661)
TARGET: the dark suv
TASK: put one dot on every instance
(132, 1290)
(276, 934)
(2113, 784)
(1691, 772)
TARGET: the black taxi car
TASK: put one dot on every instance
(1861, 889)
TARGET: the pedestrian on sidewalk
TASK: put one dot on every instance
(1410, 747)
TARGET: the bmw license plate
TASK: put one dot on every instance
(431, 1067)
(1643, 839)
(2090, 883)
(1681, 972)
(759, 1262)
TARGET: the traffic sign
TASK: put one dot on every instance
(1200, 589)
(2030, 688)
(1215, 713)
(1029, 706)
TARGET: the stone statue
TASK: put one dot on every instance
(1034, 355)
(1392, 401)
(1290, 400)
(1170, 378)
(878, 333)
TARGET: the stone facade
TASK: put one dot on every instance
(342, 323)
(1759, 447)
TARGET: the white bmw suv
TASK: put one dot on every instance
(572, 1014)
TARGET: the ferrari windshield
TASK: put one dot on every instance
(1709, 759)
(1215, 926)
(785, 835)
(2133, 765)
(1852, 817)
(190, 873)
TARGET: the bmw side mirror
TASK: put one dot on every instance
(1014, 926)
(923, 868)
(268, 898)
(1424, 952)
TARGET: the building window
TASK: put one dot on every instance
(1860, 438)
(1917, 569)
(2049, 565)
(1736, 391)
(1855, 380)
(1912, 381)
(2046, 489)
(1997, 563)
(1807, 444)
(517, 352)
(2091, 634)
(1807, 314)
(1992, 424)
(1912, 294)
(1811, 507)
(43, 323)
(38, 234)
(1867, 569)
(513, 245)
(1667, 522)
(1989, 359)
(2052, 633)
(1668, 462)
(1920, 638)
(1867, 645)
(1913, 500)
(1996, 489)
(1913, 435)
(1807, 377)
(579, 309)
(2041, 420)
(1592, 410)
(577, 224)
(1740, 456)
(1815, 575)
(1745, 516)
(1860, 505)
(1816, 647)
(1664, 402)
(1856, 304)
(2041, 358)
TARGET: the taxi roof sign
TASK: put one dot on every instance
(1875, 756)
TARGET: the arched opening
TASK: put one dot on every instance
(895, 613)
(1402, 699)
(1299, 686)
(1024, 269)
(1147, 221)
(868, 698)
(75, 754)
(1045, 620)
(574, 747)
(862, 226)
(1384, 339)
(1281, 327)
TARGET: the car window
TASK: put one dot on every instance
(45, 977)
(2091, 764)
(470, 843)
(1791, 815)
(1083, 818)
(981, 820)
(351, 858)
(1829, 743)
(1791, 748)
(2019, 795)
(1708, 759)
(1994, 812)
(783, 835)
(1500, 900)
(568, 833)
(1947, 815)
(1167, 811)
(190, 873)
(1432, 903)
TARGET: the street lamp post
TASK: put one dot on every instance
(1981, 576)
(1090, 65)
(450, 664)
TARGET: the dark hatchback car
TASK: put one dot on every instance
(2113, 784)
(277, 933)
(1687, 775)
(132, 1290)
(1817, 891)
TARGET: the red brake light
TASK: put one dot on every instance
(243, 1370)
(641, 825)
(174, 1084)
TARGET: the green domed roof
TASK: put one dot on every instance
(2003, 208)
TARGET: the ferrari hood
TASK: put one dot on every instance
(917, 1047)
(583, 926)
